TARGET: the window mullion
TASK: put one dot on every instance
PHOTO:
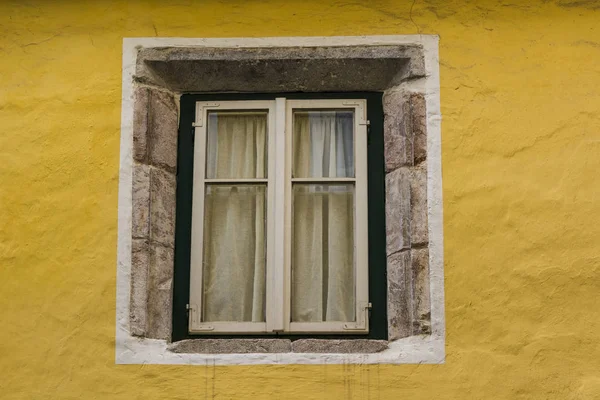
(276, 277)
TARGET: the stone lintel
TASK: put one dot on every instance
(167, 54)
(280, 69)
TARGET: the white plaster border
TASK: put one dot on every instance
(428, 349)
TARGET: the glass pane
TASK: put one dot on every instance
(323, 253)
(236, 144)
(323, 143)
(234, 253)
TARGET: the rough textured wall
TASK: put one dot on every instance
(521, 143)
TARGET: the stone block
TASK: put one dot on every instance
(416, 67)
(420, 281)
(140, 220)
(160, 291)
(397, 130)
(139, 287)
(280, 69)
(162, 207)
(140, 124)
(162, 130)
(418, 114)
(397, 210)
(400, 295)
(419, 229)
(338, 346)
(231, 346)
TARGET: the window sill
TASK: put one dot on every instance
(422, 349)
(245, 346)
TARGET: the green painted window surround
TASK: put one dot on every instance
(376, 213)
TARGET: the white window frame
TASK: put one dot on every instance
(279, 219)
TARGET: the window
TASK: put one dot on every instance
(277, 192)
(404, 203)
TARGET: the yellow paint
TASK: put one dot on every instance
(521, 159)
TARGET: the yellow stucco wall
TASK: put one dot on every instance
(520, 92)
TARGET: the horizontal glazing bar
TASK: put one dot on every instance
(323, 180)
(238, 112)
(235, 181)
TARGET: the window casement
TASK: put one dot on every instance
(274, 220)
(279, 217)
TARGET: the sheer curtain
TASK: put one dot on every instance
(234, 219)
(323, 235)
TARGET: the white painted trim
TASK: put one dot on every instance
(411, 350)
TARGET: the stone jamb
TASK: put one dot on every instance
(409, 274)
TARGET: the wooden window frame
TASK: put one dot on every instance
(371, 286)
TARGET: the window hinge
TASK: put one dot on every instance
(362, 318)
(365, 123)
(195, 325)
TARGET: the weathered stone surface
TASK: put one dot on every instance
(409, 305)
(335, 68)
(338, 346)
(418, 113)
(397, 210)
(160, 292)
(141, 201)
(421, 297)
(406, 208)
(162, 130)
(400, 295)
(162, 206)
(231, 346)
(416, 66)
(139, 287)
(397, 130)
(419, 231)
(140, 124)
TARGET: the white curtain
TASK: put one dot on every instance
(234, 220)
(323, 238)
